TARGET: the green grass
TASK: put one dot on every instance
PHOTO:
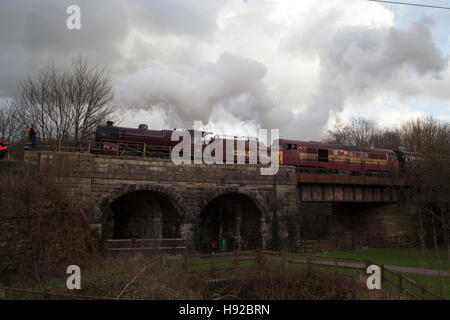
(120, 272)
(399, 257)
(431, 283)
(428, 258)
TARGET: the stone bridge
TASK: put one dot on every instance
(153, 198)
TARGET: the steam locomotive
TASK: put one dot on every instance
(332, 158)
(114, 140)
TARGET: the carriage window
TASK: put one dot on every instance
(285, 146)
(378, 156)
(335, 152)
(294, 147)
(351, 154)
(289, 146)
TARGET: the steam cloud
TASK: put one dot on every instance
(258, 58)
(356, 63)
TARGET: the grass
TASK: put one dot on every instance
(170, 282)
(428, 258)
(431, 283)
(108, 276)
(399, 257)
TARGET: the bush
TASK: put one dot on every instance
(42, 230)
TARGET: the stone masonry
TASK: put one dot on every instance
(97, 181)
(186, 193)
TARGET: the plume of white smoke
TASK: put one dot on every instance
(233, 87)
(357, 63)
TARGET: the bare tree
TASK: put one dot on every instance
(66, 103)
(388, 139)
(358, 132)
(42, 100)
(428, 135)
(89, 93)
(9, 124)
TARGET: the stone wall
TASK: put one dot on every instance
(373, 225)
(97, 181)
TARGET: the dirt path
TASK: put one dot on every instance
(424, 271)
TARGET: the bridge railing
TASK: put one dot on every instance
(62, 145)
(108, 147)
(327, 176)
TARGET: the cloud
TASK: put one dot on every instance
(233, 85)
(292, 65)
(33, 34)
(358, 63)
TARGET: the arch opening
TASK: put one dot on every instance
(234, 217)
(142, 215)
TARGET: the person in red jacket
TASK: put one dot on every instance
(3, 148)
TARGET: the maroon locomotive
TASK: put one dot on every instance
(114, 140)
(330, 158)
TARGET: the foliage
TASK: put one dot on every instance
(41, 228)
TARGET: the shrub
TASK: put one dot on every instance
(41, 228)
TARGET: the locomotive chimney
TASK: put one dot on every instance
(143, 127)
(109, 123)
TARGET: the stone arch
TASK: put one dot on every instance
(257, 199)
(236, 214)
(164, 197)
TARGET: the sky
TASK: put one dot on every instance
(237, 66)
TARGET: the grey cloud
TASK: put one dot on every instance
(233, 83)
(356, 62)
(359, 62)
(34, 33)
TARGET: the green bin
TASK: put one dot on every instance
(223, 244)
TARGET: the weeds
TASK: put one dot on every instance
(41, 228)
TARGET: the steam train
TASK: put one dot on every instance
(305, 155)
(114, 140)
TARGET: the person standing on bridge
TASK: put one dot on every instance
(3, 148)
(32, 135)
